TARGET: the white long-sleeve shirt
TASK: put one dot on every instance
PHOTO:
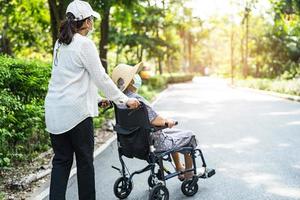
(76, 76)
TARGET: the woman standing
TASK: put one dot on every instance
(72, 101)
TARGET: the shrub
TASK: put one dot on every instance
(147, 93)
(2, 196)
(161, 81)
(179, 78)
(26, 79)
(23, 86)
(156, 82)
(291, 87)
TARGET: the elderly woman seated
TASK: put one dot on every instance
(128, 81)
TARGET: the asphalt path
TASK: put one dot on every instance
(251, 139)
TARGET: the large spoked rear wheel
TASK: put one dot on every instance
(189, 187)
(122, 187)
(159, 192)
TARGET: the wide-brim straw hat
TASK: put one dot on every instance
(123, 74)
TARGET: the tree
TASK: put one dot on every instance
(22, 32)
(245, 22)
(138, 33)
(104, 6)
(57, 12)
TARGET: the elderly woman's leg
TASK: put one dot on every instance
(188, 165)
(178, 165)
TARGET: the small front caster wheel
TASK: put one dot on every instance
(189, 187)
(159, 192)
(122, 187)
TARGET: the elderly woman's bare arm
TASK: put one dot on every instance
(160, 121)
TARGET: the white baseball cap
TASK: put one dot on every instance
(81, 10)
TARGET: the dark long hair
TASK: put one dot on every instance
(68, 28)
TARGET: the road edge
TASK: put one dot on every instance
(274, 94)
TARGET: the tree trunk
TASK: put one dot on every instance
(242, 52)
(184, 51)
(190, 37)
(118, 54)
(246, 49)
(159, 59)
(247, 18)
(104, 37)
(57, 14)
(5, 45)
(137, 52)
(232, 54)
(160, 66)
(141, 53)
(257, 71)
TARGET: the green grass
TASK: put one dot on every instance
(291, 87)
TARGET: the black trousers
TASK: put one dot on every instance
(79, 140)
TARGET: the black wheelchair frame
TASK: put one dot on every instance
(135, 124)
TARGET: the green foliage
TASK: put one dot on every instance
(273, 41)
(148, 93)
(2, 196)
(157, 82)
(276, 49)
(23, 86)
(291, 87)
(98, 121)
(154, 33)
(25, 28)
(179, 78)
(138, 29)
(24, 79)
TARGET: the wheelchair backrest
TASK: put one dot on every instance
(133, 131)
(128, 118)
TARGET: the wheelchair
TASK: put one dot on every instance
(134, 132)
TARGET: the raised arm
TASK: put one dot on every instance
(91, 61)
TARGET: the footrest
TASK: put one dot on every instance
(208, 173)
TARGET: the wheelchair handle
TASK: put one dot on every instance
(100, 104)
(158, 128)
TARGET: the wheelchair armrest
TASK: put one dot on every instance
(158, 128)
